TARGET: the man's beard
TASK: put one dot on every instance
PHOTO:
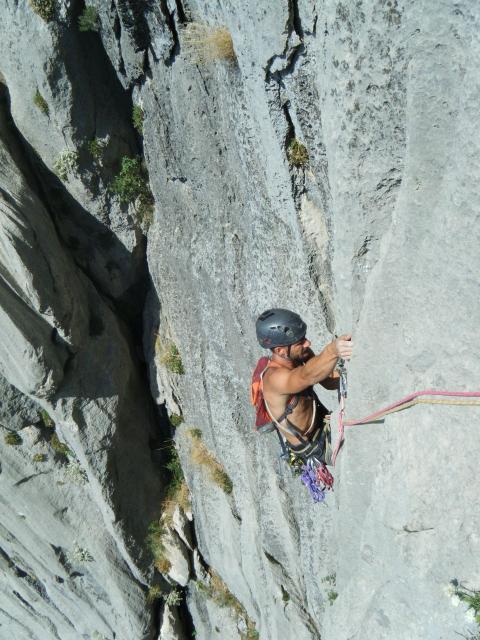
(301, 359)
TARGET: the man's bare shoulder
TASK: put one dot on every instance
(275, 379)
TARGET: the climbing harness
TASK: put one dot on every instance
(306, 459)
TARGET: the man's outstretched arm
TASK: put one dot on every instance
(316, 369)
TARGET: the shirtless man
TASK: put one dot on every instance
(292, 372)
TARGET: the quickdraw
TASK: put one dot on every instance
(313, 473)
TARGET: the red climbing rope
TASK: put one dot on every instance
(404, 403)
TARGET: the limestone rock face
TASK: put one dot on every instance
(324, 160)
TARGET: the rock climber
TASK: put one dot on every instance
(286, 380)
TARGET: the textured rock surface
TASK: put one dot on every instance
(378, 233)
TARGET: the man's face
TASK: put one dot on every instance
(299, 351)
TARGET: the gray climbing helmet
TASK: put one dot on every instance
(279, 328)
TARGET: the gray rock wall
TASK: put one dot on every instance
(376, 233)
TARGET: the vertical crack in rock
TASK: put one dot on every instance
(170, 22)
(293, 49)
(182, 17)
(117, 30)
(294, 17)
(131, 18)
(281, 70)
(133, 14)
(294, 593)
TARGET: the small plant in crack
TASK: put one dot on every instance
(46, 420)
(173, 598)
(175, 420)
(59, 447)
(205, 43)
(75, 473)
(80, 555)
(177, 493)
(331, 581)
(155, 542)
(88, 20)
(96, 147)
(39, 457)
(470, 597)
(12, 438)
(137, 118)
(66, 164)
(154, 593)
(131, 182)
(44, 8)
(40, 102)
(131, 186)
(297, 153)
(169, 357)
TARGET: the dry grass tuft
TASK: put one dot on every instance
(204, 458)
(180, 497)
(154, 593)
(163, 564)
(155, 542)
(205, 44)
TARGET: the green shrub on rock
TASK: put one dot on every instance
(66, 164)
(131, 182)
(131, 185)
(175, 420)
(88, 21)
(46, 419)
(171, 359)
(137, 118)
(59, 446)
(96, 147)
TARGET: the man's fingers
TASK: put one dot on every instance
(344, 346)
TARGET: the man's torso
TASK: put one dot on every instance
(301, 416)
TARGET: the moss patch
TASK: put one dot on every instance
(12, 438)
(40, 102)
(88, 20)
(297, 153)
(44, 8)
